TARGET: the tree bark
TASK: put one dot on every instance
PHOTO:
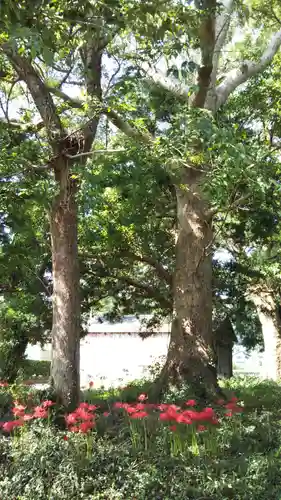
(191, 356)
(269, 316)
(65, 366)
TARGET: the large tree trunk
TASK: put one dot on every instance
(65, 367)
(191, 356)
(269, 316)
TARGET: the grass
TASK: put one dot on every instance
(143, 459)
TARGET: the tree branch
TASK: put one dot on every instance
(161, 271)
(247, 70)
(73, 103)
(169, 83)
(149, 291)
(221, 29)
(39, 92)
(126, 128)
(96, 152)
(116, 119)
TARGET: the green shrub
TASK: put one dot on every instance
(34, 369)
(237, 460)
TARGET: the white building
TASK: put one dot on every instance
(115, 353)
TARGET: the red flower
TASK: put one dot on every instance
(201, 428)
(18, 410)
(92, 407)
(139, 414)
(86, 427)
(234, 399)
(74, 428)
(229, 414)
(4, 384)
(26, 418)
(47, 404)
(183, 419)
(65, 438)
(106, 413)
(130, 409)
(166, 416)
(190, 402)
(9, 426)
(118, 405)
(140, 406)
(71, 418)
(40, 412)
(142, 397)
(91, 384)
(83, 414)
(208, 413)
(221, 402)
(173, 428)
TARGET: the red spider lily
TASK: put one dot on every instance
(142, 397)
(183, 419)
(119, 405)
(18, 410)
(232, 406)
(229, 414)
(12, 424)
(141, 406)
(71, 418)
(91, 384)
(83, 414)
(234, 399)
(40, 412)
(139, 414)
(201, 428)
(84, 406)
(85, 427)
(106, 413)
(166, 416)
(65, 438)
(190, 402)
(47, 404)
(173, 428)
(27, 417)
(131, 409)
(74, 428)
(92, 407)
(87, 406)
(208, 413)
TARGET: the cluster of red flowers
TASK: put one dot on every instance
(19, 411)
(177, 415)
(82, 419)
(3, 384)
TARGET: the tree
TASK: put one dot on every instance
(36, 56)
(190, 353)
(73, 45)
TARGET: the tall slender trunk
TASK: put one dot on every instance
(191, 356)
(269, 316)
(65, 367)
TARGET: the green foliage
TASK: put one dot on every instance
(243, 462)
(35, 369)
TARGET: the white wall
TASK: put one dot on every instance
(111, 359)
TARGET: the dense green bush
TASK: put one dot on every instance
(34, 369)
(239, 459)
